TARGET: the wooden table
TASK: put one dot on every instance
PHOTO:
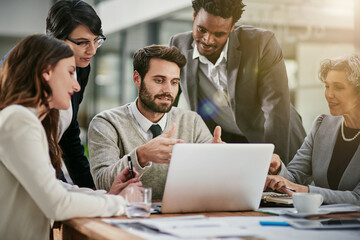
(94, 228)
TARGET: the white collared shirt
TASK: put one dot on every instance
(143, 123)
(65, 117)
(217, 72)
(64, 120)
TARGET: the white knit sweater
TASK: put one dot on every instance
(30, 194)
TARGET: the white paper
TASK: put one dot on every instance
(198, 228)
(239, 226)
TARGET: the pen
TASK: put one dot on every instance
(130, 167)
(273, 223)
(290, 189)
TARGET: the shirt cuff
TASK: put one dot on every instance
(136, 161)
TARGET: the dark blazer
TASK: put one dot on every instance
(257, 87)
(73, 151)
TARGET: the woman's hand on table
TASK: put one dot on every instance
(281, 184)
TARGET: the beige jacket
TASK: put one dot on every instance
(30, 194)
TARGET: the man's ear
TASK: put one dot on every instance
(137, 78)
(232, 28)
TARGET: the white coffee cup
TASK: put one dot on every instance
(138, 202)
(307, 202)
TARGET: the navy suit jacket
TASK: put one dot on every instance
(73, 151)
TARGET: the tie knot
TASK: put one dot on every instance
(155, 130)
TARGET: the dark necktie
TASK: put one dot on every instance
(155, 130)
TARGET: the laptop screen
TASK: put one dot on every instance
(216, 177)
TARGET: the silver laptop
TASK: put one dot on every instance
(216, 177)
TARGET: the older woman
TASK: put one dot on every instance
(330, 154)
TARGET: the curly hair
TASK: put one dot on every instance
(22, 83)
(350, 64)
(222, 8)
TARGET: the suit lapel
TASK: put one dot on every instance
(192, 77)
(233, 63)
(324, 141)
(325, 155)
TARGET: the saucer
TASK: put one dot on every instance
(295, 213)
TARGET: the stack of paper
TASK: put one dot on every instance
(184, 227)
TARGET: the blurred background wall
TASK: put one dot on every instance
(307, 30)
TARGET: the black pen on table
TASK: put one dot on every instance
(130, 167)
(290, 189)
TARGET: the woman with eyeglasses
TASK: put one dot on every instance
(37, 80)
(76, 23)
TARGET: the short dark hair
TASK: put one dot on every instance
(142, 57)
(222, 8)
(65, 15)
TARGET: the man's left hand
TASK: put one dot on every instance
(217, 135)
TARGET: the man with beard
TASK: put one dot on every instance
(133, 131)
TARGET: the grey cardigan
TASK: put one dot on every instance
(312, 160)
(113, 134)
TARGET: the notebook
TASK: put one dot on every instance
(216, 177)
(274, 197)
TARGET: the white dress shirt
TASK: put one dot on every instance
(216, 72)
(143, 123)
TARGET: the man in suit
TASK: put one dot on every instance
(235, 77)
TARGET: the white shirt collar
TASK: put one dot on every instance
(203, 59)
(143, 122)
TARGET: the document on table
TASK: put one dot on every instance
(184, 227)
(248, 227)
(198, 228)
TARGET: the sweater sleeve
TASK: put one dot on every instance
(31, 166)
(107, 159)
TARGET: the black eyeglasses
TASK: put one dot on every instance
(86, 44)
